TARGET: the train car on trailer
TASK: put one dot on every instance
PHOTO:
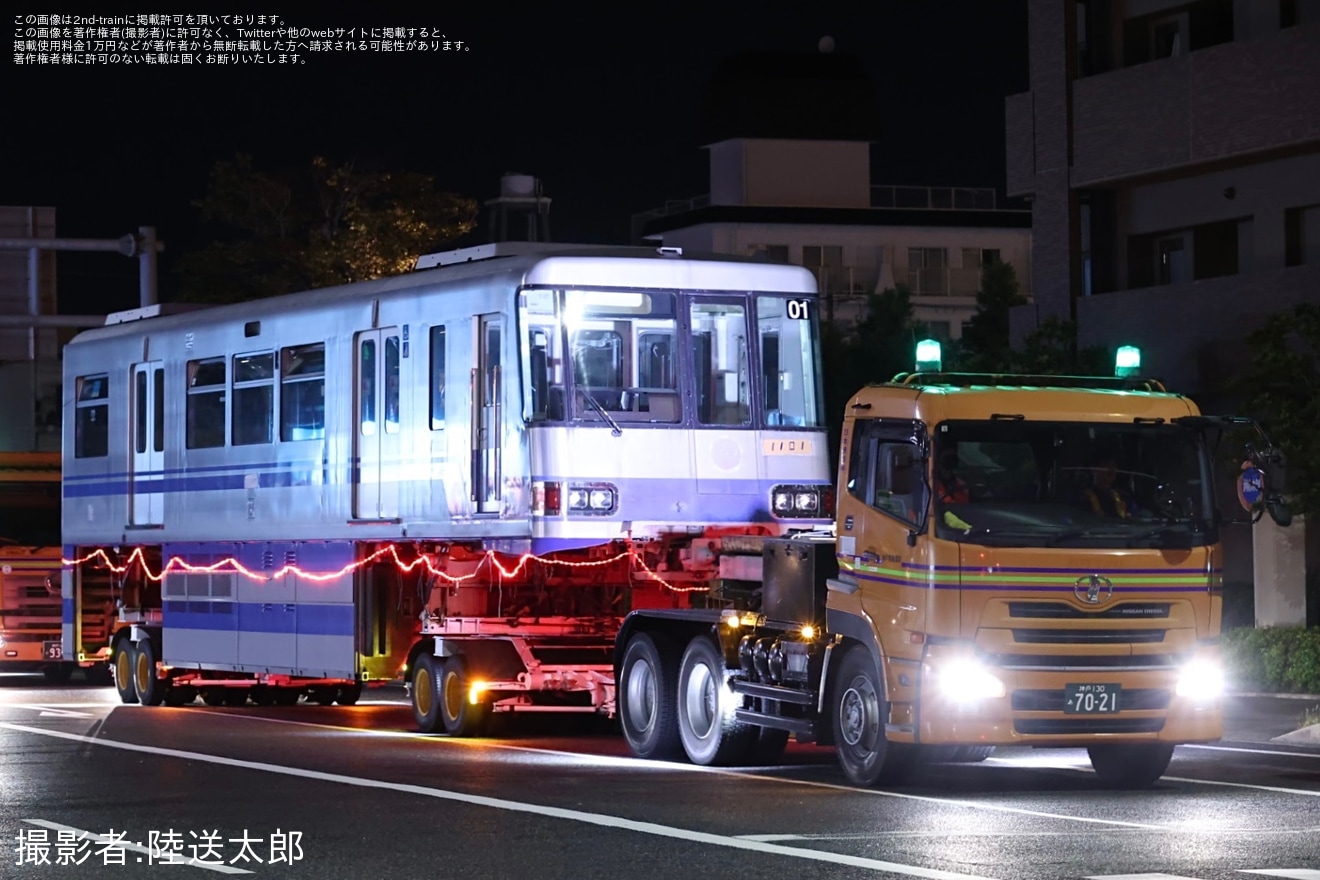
(464, 477)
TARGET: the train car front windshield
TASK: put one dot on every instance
(613, 357)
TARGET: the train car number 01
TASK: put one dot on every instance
(799, 309)
(1090, 699)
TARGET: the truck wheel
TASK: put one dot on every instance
(425, 693)
(858, 714)
(150, 689)
(58, 673)
(461, 717)
(646, 697)
(706, 723)
(348, 694)
(122, 663)
(1130, 766)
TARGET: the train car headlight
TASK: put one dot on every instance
(593, 498)
(601, 499)
(807, 502)
(577, 499)
(783, 502)
(797, 501)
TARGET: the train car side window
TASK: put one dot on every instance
(302, 392)
(437, 378)
(391, 384)
(254, 398)
(91, 436)
(719, 352)
(206, 403)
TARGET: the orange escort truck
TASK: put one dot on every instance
(1015, 561)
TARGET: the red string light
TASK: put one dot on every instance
(230, 564)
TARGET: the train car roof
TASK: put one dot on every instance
(547, 265)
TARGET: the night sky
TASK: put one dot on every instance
(604, 110)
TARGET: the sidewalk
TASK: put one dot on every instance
(1274, 719)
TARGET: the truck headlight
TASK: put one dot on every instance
(967, 681)
(1201, 680)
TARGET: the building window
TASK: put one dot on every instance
(927, 271)
(821, 256)
(1206, 251)
(773, 253)
(1171, 263)
(1301, 235)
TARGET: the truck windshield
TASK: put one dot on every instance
(1068, 484)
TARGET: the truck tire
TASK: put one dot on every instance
(425, 694)
(122, 664)
(647, 692)
(348, 694)
(460, 715)
(858, 712)
(710, 733)
(150, 688)
(1130, 766)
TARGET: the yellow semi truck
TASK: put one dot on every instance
(1015, 561)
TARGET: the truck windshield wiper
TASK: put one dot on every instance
(596, 405)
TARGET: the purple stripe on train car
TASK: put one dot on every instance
(68, 611)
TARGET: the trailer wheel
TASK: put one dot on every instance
(348, 694)
(706, 723)
(122, 663)
(213, 696)
(1130, 766)
(150, 689)
(647, 695)
(287, 696)
(460, 715)
(858, 716)
(323, 696)
(425, 693)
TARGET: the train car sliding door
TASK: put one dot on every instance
(486, 435)
(147, 440)
(376, 436)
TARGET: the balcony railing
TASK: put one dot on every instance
(944, 281)
(934, 198)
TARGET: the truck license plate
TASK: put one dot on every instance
(52, 650)
(1091, 699)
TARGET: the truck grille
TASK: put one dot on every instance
(1083, 661)
(1064, 611)
(1087, 636)
(1063, 726)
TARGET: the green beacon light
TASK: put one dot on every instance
(928, 356)
(1127, 361)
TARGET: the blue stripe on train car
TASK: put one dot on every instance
(67, 612)
(261, 617)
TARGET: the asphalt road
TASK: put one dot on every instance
(352, 793)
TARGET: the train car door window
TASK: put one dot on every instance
(486, 409)
(91, 438)
(146, 502)
(719, 340)
(377, 453)
(437, 378)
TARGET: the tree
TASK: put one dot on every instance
(1051, 350)
(881, 345)
(1282, 387)
(323, 225)
(985, 340)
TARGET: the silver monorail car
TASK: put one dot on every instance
(464, 476)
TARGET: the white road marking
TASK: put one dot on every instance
(1278, 789)
(1138, 877)
(695, 768)
(871, 835)
(104, 839)
(1276, 752)
(48, 710)
(598, 819)
(1288, 873)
